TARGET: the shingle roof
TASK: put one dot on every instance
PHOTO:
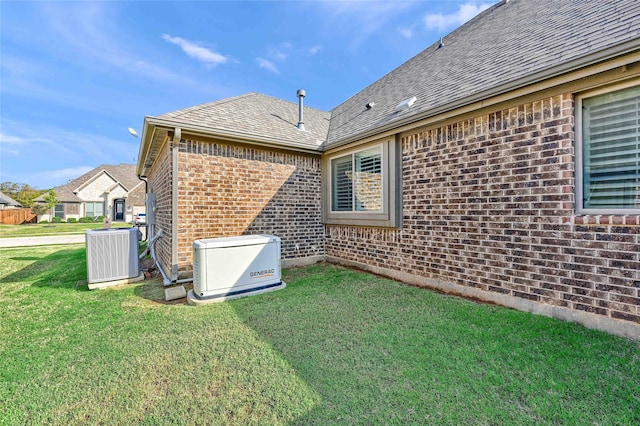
(123, 173)
(6, 200)
(505, 43)
(512, 44)
(258, 115)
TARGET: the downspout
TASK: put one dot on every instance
(153, 237)
(175, 145)
(146, 189)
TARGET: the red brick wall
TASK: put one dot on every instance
(488, 203)
(226, 190)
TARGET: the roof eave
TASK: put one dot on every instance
(538, 77)
(152, 124)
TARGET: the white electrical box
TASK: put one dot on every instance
(112, 254)
(235, 266)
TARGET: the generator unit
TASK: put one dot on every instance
(112, 254)
(230, 267)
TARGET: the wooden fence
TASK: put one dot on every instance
(17, 216)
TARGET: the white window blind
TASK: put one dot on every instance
(341, 184)
(368, 180)
(611, 150)
(94, 209)
(360, 190)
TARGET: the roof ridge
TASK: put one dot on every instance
(181, 112)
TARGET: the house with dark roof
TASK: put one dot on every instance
(7, 202)
(112, 191)
(502, 164)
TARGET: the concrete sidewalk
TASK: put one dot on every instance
(42, 241)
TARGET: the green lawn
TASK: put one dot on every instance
(35, 229)
(336, 346)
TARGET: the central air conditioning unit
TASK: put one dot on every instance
(230, 267)
(112, 254)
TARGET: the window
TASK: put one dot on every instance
(360, 190)
(94, 209)
(608, 172)
(59, 211)
(361, 186)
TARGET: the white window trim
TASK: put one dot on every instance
(86, 213)
(579, 160)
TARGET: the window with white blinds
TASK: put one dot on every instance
(356, 181)
(94, 209)
(342, 194)
(611, 150)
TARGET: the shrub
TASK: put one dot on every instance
(85, 219)
(56, 219)
(98, 218)
(72, 220)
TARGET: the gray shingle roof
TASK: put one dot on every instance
(505, 43)
(8, 201)
(124, 173)
(512, 44)
(258, 115)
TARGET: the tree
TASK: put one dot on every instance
(21, 192)
(39, 209)
(50, 201)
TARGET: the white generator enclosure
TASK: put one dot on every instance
(235, 266)
(112, 254)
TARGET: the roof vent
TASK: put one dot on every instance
(441, 45)
(370, 105)
(406, 104)
(300, 94)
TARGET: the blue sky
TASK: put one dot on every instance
(75, 75)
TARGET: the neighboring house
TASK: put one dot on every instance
(7, 202)
(502, 165)
(112, 191)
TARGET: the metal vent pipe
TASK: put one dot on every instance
(301, 94)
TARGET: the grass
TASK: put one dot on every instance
(38, 229)
(336, 346)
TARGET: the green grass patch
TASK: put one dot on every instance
(39, 229)
(336, 346)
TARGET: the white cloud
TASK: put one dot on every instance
(359, 19)
(90, 31)
(278, 55)
(268, 65)
(197, 52)
(13, 140)
(440, 22)
(41, 145)
(405, 32)
(62, 175)
(314, 49)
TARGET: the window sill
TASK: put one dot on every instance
(376, 223)
(605, 219)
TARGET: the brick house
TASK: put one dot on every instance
(502, 164)
(112, 191)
